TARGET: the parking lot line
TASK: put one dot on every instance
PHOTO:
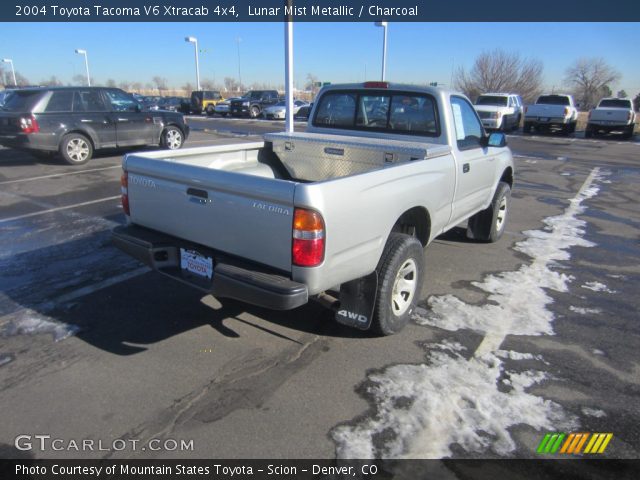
(57, 209)
(54, 175)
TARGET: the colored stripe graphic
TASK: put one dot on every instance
(573, 443)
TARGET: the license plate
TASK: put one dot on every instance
(544, 119)
(196, 263)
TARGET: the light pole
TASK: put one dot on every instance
(194, 40)
(238, 40)
(86, 63)
(13, 72)
(384, 47)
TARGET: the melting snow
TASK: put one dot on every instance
(585, 311)
(422, 410)
(30, 323)
(593, 412)
(597, 287)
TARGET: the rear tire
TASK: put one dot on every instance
(588, 131)
(400, 277)
(76, 149)
(172, 138)
(628, 132)
(489, 224)
(210, 110)
(526, 128)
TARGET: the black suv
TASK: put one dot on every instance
(75, 121)
(253, 103)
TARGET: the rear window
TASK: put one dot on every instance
(616, 103)
(492, 100)
(22, 100)
(392, 112)
(553, 100)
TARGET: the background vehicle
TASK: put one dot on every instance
(500, 111)
(551, 111)
(278, 222)
(279, 110)
(253, 103)
(222, 107)
(611, 115)
(204, 101)
(76, 121)
(172, 104)
(303, 112)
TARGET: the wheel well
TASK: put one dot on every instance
(416, 222)
(173, 125)
(507, 176)
(80, 132)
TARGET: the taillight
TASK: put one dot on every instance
(124, 190)
(566, 111)
(29, 124)
(629, 116)
(525, 109)
(308, 238)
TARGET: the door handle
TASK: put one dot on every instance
(465, 168)
(196, 192)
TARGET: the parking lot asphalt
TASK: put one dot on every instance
(537, 333)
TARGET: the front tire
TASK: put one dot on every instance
(489, 224)
(400, 277)
(76, 149)
(254, 112)
(172, 138)
(210, 110)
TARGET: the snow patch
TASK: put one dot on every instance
(585, 311)
(597, 352)
(452, 400)
(517, 355)
(597, 287)
(30, 323)
(593, 412)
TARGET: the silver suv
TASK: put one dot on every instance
(499, 111)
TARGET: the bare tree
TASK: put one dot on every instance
(622, 94)
(137, 86)
(111, 83)
(590, 79)
(160, 82)
(231, 84)
(636, 103)
(188, 87)
(124, 85)
(311, 83)
(52, 81)
(79, 79)
(207, 84)
(500, 71)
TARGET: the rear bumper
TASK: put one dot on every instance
(232, 278)
(550, 121)
(31, 141)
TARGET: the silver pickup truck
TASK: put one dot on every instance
(339, 213)
(612, 115)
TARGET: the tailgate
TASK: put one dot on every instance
(612, 115)
(243, 215)
(9, 124)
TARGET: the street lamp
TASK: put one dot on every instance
(9, 61)
(384, 47)
(194, 40)
(86, 63)
(238, 40)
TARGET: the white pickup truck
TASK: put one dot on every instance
(551, 111)
(612, 115)
(339, 213)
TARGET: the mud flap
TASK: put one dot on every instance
(357, 302)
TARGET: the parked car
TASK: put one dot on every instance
(76, 121)
(172, 104)
(303, 112)
(205, 101)
(279, 222)
(500, 111)
(551, 111)
(222, 107)
(279, 110)
(253, 103)
(612, 115)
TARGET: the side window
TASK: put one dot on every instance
(511, 103)
(60, 101)
(469, 131)
(88, 101)
(121, 101)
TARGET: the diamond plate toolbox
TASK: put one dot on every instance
(316, 157)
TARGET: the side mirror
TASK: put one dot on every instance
(497, 140)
